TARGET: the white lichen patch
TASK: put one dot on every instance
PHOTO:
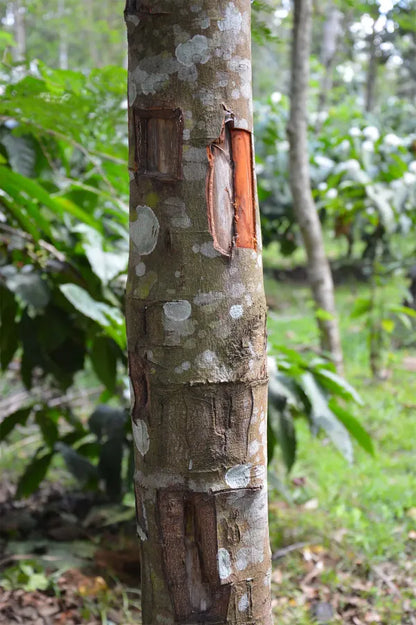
(237, 289)
(194, 51)
(204, 299)
(233, 19)
(235, 94)
(177, 274)
(242, 558)
(141, 533)
(144, 231)
(141, 436)
(224, 563)
(243, 603)
(253, 447)
(206, 249)
(184, 366)
(132, 92)
(134, 19)
(177, 311)
(236, 311)
(140, 269)
(238, 476)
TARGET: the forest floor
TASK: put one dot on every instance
(343, 537)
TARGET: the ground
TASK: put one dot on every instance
(343, 537)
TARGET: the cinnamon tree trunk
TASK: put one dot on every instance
(196, 316)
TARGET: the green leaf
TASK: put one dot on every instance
(353, 426)
(48, 426)
(104, 360)
(337, 385)
(406, 310)
(106, 316)
(324, 315)
(17, 418)
(9, 337)
(322, 417)
(29, 286)
(287, 438)
(387, 325)
(361, 306)
(33, 474)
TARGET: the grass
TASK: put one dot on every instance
(360, 519)
(357, 523)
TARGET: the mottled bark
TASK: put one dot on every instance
(319, 272)
(196, 316)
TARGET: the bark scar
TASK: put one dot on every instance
(230, 188)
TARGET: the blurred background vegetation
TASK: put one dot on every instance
(63, 255)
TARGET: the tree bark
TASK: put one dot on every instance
(19, 32)
(371, 72)
(63, 38)
(331, 32)
(196, 316)
(319, 272)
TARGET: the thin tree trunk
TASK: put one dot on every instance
(196, 316)
(19, 31)
(319, 271)
(331, 32)
(63, 38)
(371, 73)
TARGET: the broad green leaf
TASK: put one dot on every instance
(287, 438)
(104, 360)
(17, 418)
(362, 306)
(322, 417)
(9, 339)
(34, 474)
(337, 385)
(106, 316)
(353, 426)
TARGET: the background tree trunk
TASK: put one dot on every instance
(371, 72)
(319, 271)
(331, 32)
(196, 316)
(19, 51)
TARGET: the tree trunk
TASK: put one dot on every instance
(63, 37)
(331, 32)
(196, 316)
(19, 32)
(304, 207)
(371, 72)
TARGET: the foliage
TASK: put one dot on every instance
(363, 177)
(64, 246)
(310, 388)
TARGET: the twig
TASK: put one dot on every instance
(46, 246)
(386, 580)
(281, 553)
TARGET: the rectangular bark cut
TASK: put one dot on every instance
(159, 143)
(244, 204)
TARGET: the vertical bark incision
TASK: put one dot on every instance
(140, 383)
(189, 540)
(159, 143)
(230, 190)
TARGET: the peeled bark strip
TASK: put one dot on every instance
(319, 272)
(196, 316)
